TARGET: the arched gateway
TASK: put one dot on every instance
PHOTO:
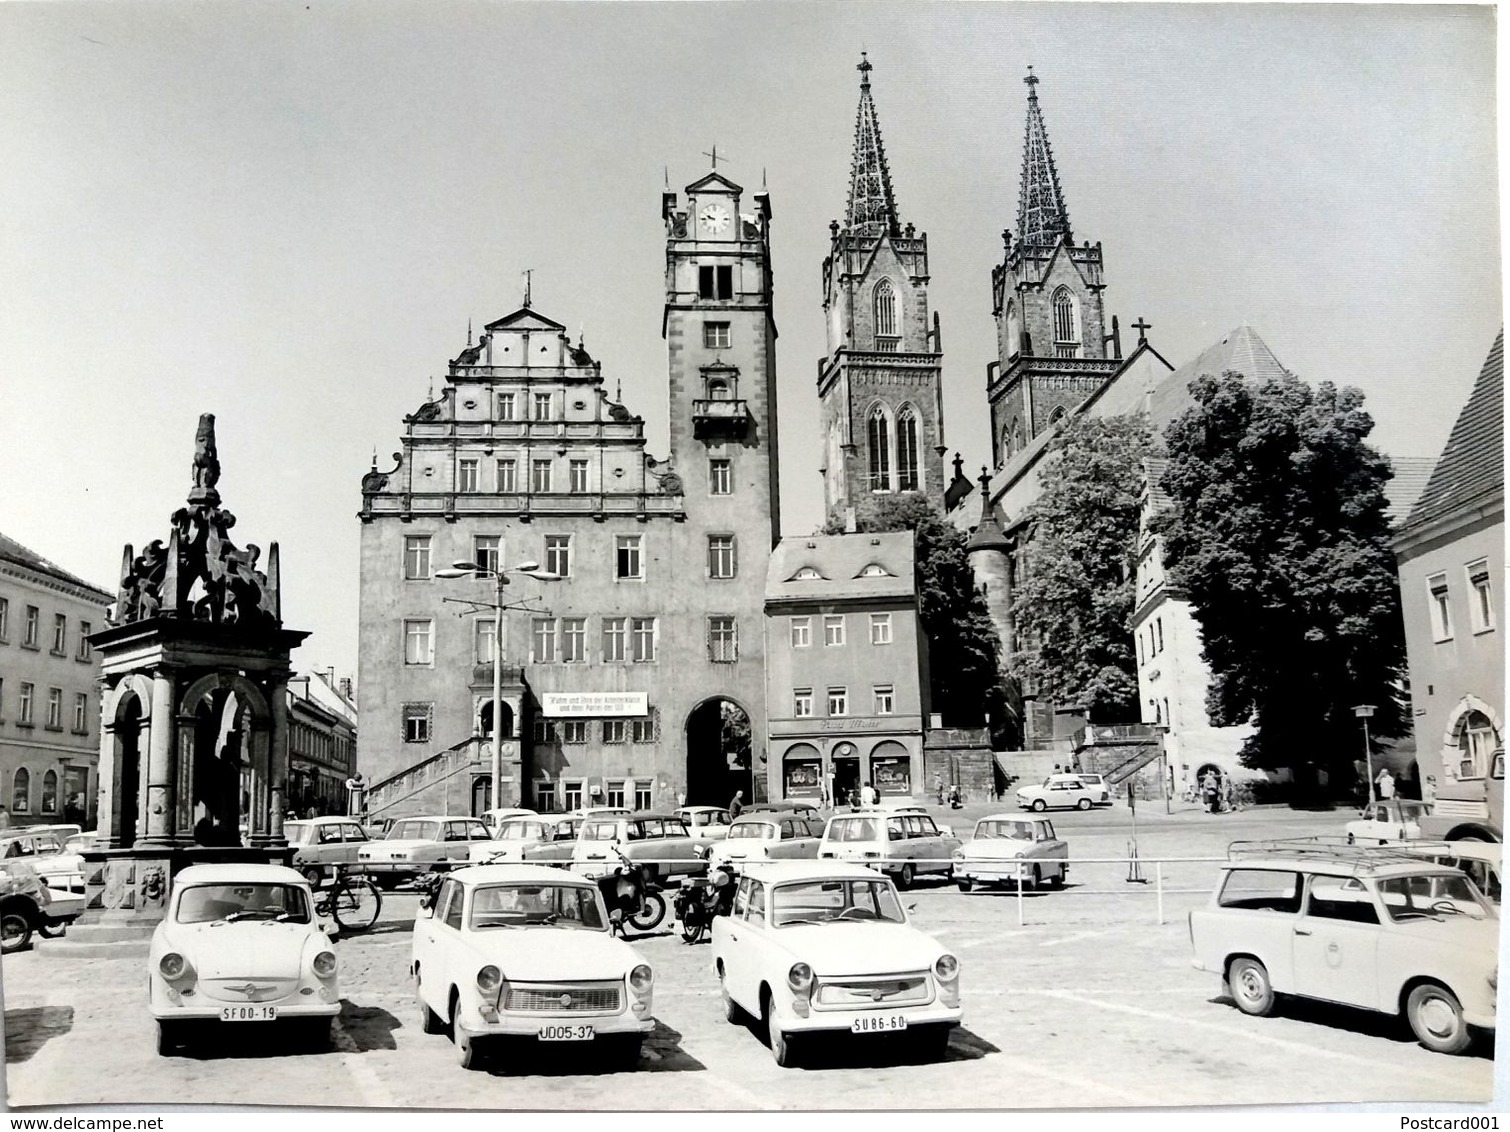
(718, 753)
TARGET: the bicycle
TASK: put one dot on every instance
(352, 901)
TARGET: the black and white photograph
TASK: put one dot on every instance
(657, 557)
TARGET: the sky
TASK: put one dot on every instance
(287, 213)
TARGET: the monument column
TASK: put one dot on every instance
(277, 759)
(181, 825)
(156, 820)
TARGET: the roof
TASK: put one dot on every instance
(502, 874)
(1042, 217)
(840, 561)
(872, 209)
(249, 873)
(525, 319)
(1472, 463)
(13, 551)
(1241, 351)
(775, 872)
(1405, 489)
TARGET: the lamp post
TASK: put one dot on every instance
(500, 576)
(1363, 711)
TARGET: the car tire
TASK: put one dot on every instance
(429, 1021)
(905, 877)
(1037, 878)
(314, 874)
(169, 1038)
(733, 1012)
(1436, 1017)
(1057, 880)
(1039, 805)
(1248, 983)
(965, 883)
(15, 929)
(780, 1041)
(1083, 804)
(468, 1054)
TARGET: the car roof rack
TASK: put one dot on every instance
(1330, 847)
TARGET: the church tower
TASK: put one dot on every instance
(1047, 299)
(880, 403)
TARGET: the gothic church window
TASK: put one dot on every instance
(907, 450)
(1066, 324)
(878, 433)
(1014, 331)
(1056, 416)
(886, 317)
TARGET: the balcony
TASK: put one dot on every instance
(720, 418)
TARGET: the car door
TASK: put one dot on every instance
(353, 837)
(429, 955)
(1336, 942)
(753, 950)
(934, 853)
(738, 980)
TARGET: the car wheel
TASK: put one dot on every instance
(169, 1038)
(313, 874)
(1436, 1016)
(468, 1055)
(1248, 982)
(1057, 880)
(905, 877)
(15, 930)
(781, 1041)
(1039, 805)
(1083, 804)
(429, 1021)
(733, 1012)
(965, 883)
(1037, 878)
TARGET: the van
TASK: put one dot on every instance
(903, 845)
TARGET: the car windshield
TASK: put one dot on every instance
(1010, 830)
(854, 829)
(204, 903)
(415, 831)
(758, 830)
(1431, 896)
(600, 831)
(519, 831)
(829, 901)
(536, 905)
(297, 832)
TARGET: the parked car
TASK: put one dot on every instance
(416, 846)
(491, 818)
(803, 809)
(1481, 860)
(525, 951)
(659, 842)
(1059, 791)
(240, 946)
(778, 835)
(1392, 819)
(1007, 847)
(323, 842)
(903, 845)
(28, 905)
(1099, 786)
(1380, 930)
(512, 837)
(563, 839)
(43, 850)
(823, 947)
(705, 823)
(81, 842)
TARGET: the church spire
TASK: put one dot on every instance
(872, 208)
(1042, 218)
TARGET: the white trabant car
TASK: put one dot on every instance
(525, 951)
(1372, 928)
(45, 851)
(904, 843)
(512, 836)
(705, 823)
(1481, 860)
(659, 842)
(557, 848)
(767, 835)
(415, 847)
(493, 818)
(240, 945)
(815, 947)
(324, 843)
(1061, 791)
(1392, 819)
(1010, 848)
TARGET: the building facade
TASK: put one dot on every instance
(322, 743)
(846, 666)
(624, 676)
(881, 410)
(49, 690)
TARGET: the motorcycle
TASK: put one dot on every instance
(629, 898)
(700, 899)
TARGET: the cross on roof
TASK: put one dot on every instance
(713, 155)
(1142, 328)
(528, 272)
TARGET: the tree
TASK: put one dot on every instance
(1279, 538)
(964, 682)
(1075, 602)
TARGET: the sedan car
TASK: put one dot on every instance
(767, 835)
(1393, 819)
(660, 842)
(322, 843)
(1099, 786)
(705, 823)
(417, 846)
(817, 948)
(1060, 791)
(1006, 847)
(525, 951)
(240, 947)
(44, 851)
(28, 905)
(513, 837)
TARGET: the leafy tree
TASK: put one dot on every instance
(1278, 536)
(1074, 605)
(734, 733)
(965, 685)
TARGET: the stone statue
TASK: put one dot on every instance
(206, 462)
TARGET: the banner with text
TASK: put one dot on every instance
(561, 705)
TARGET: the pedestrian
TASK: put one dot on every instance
(737, 804)
(938, 787)
(1386, 784)
(869, 795)
(1211, 788)
(1429, 790)
(1229, 795)
(1058, 769)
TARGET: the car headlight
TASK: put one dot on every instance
(641, 978)
(325, 964)
(946, 967)
(489, 979)
(800, 977)
(172, 966)
(958, 854)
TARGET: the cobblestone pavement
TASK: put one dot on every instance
(1091, 1003)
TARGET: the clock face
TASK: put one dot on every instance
(715, 218)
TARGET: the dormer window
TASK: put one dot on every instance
(715, 282)
(807, 574)
(875, 570)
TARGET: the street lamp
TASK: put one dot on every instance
(500, 576)
(1363, 711)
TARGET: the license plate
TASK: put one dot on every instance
(567, 1033)
(878, 1023)
(248, 1013)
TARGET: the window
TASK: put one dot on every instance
(642, 639)
(4, 619)
(721, 562)
(60, 634)
(627, 560)
(614, 639)
(487, 551)
(1158, 625)
(802, 703)
(802, 632)
(545, 798)
(85, 652)
(508, 479)
(543, 640)
(614, 794)
(417, 722)
(720, 476)
(466, 474)
(716, 335)
(715, 281)
(33, 620)
(28, 691)
(545, 730)
(571, 795)
(645, 729)
(880, 628)
(484, 637)
(542, 407)
(1441, 611)
(576, 476)
(1481, 597)
(615, 731)
(540, 475)
(833, 629)
(574, 642)
(50, 792)
(1066, 328)
(907, 450)
(644, 793)
(723, 640)
(838, 701)
(880, 449)
(20, 800)
(81, 713)
(807, 574)
(886, 311)
(506, 408)
(55, 709)
(416, 556)
(419, 643)
(558, 555)
(1138, 637)
(574, 731)
(883, 699)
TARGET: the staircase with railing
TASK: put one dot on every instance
(423, 776)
